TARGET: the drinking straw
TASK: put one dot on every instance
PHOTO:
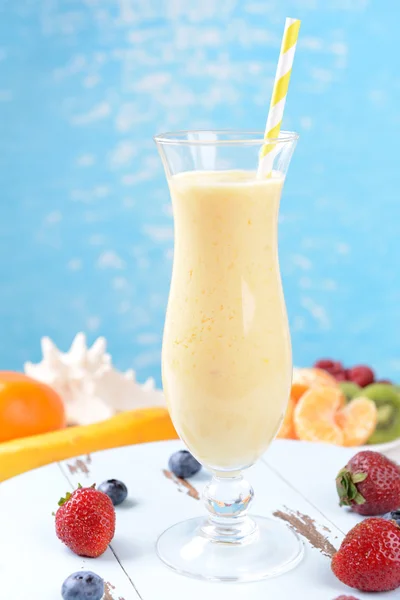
(279, 93)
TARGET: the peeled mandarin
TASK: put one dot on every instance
(358, 421)
(287, 431)
(304, 379)
(315, 415)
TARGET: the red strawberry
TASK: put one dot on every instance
(85, 521)
(346, 598)
(369, 557)
(361, 375)
(370, 484)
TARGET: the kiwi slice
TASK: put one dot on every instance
(350, 389)
(387, 401)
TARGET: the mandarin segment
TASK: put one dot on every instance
(357, 420)
(304, 379)
(315, 415)
(286, 430)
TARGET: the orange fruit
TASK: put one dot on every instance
(304, 379)
(286, 430)
(358, 421)
(315, 415)
(27, 407)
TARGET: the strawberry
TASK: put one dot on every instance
(346, 598)
(370, 484)
(369, 557)
(85, 521)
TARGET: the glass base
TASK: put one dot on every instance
(272, 549)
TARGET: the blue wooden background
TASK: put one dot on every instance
(85, 226)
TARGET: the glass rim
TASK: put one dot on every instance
(243, 137)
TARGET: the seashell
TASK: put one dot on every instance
(90, 386)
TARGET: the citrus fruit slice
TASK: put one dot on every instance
(304, 379)
(315, 415)
(357, 420)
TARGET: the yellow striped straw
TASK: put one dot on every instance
(279, 93)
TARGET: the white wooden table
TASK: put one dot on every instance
(34, 563)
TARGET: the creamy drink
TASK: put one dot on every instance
(226, 359)
(226, 350)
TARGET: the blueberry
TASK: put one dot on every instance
(115, 490)
(83, 585)
(394, 515)
(183, 464)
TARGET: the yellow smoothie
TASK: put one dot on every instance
(226, 351)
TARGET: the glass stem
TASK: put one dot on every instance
(227, 500)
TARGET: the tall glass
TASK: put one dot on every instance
(226, 358)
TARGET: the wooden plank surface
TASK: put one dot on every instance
(33, 562)
(292, 475)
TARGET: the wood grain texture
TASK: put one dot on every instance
(292, 476)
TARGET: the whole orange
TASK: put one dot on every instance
(27, 407)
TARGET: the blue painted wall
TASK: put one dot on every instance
(85, 226)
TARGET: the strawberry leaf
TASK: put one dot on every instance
(359, 499)
(64, 500)
(359, 477)
(346, 486)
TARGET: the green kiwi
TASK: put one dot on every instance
(387, 401)
(350, 389)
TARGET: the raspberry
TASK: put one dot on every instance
(341, 376)
(361, 375)
(332, 367)
(324, 363)
(336, 368)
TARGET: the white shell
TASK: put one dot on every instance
(91, 388)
